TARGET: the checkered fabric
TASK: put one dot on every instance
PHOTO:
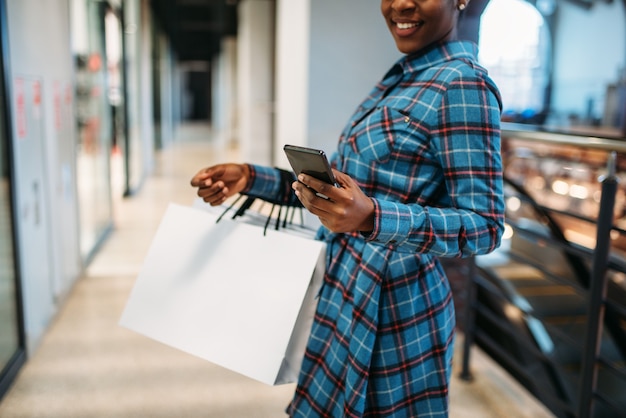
(425, 145)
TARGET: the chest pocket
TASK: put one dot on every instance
(377, 135)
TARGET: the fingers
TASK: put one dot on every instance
(309, 193)
(348, 208)
(319, 186)
(199, 178)
(215, 194)
(210, 188)
(206, 176)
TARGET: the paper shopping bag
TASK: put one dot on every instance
(227, 293)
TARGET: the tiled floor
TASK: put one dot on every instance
(89, 366)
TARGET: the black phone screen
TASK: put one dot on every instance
(310, 161)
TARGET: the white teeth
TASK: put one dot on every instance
(406, 25)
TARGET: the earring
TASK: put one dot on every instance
(461, 6)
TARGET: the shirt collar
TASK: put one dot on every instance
(434, 55)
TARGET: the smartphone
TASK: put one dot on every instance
(310, 161)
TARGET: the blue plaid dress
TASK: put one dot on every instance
(425, 145)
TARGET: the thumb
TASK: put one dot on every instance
(199, 180)
(216, 171)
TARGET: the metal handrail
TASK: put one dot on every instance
(511, 130)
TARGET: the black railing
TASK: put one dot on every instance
(544, 313)
(597, 292)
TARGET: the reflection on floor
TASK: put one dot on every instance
(88, 366)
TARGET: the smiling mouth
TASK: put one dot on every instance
(405, 26)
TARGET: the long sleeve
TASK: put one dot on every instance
(272, 185)
(426, 148)
(467, 148)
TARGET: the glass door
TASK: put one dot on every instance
(94, 122)
(11, 329)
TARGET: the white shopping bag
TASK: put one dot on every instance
(227, 293)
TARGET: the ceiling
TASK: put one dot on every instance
(196, 27)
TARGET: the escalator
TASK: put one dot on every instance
(532, 307)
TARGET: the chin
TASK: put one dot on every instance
(406, 47)
(407, 51)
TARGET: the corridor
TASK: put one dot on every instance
(89, 367)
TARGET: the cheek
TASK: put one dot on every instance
(447, 19)
(444, 11)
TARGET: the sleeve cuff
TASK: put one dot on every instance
(264, 181)
(392, 222)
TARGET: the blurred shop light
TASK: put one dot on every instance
(513, 204)
(579, 192)
(560, 187)
(508, 232)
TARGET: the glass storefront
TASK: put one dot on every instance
(9, 335)
(11, 342)
(95, 125)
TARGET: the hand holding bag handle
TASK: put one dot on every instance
(284, 198)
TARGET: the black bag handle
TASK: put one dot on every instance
(285, 198)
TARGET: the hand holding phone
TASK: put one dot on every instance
(351, 211)
(310, 161)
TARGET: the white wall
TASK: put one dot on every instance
(292, 75)
(41, 72)
(255, 91)
(351, 49)
(329, 56)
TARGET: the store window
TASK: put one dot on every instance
(11, 341)
(560, 64)
(515, 47)
(94, 124)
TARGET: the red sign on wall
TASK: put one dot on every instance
(37, 99)
(57, 106)
(20, 108)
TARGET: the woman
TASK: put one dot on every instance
(420, 173)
